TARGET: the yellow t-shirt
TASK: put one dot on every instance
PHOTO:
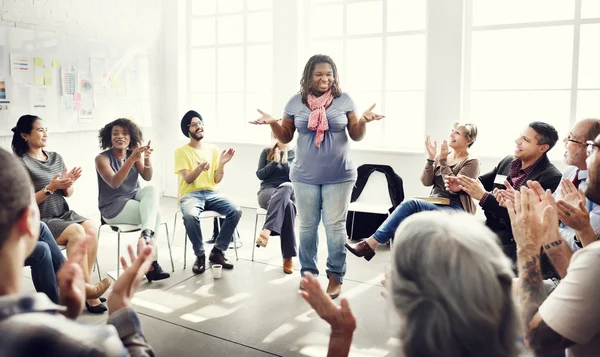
(186, 158)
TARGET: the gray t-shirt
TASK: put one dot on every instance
(111, 201)
(329, 163)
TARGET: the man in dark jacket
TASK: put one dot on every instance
(529, 162)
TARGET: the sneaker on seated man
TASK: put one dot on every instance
(201, 167)
(33, 325)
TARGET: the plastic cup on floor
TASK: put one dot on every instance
(217, 270)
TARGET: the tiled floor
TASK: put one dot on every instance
(253, 310)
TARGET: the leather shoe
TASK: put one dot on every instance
(199, 265)
(361, 249)
(334, 288)
(157, 273)
(96, 290)
(98, 309)
(288, 265)
(217, 257)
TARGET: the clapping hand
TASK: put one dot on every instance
(226, 156)
(276, 155)
(74, 174)
(264, 119)
(431, 148)
(128, 283)
(444, 150)
(60, 181)
(368, 116)
(203, 166)
(471, 187)
(71, 284)
(340, 318)
(572, 210)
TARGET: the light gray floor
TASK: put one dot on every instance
(253, 310)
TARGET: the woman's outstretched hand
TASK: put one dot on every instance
(264, 119)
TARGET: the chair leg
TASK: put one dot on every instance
(169, 244)
(235, 244)
(174, 226)
(352, 226)
(118, 254)
(97, 265)
(184, 250)
(254, 239)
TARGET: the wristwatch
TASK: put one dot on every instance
(47, 191)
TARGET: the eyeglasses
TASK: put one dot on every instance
(195, 124)
(592, 147)
(570, 138)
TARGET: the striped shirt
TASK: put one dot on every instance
(42, 173)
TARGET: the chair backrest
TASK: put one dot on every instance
(376, 190)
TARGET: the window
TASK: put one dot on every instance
(527, 61)
(230, 54)
(379, 47)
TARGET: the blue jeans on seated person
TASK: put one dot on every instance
(45, 261)
(194, 203)
(388, 228)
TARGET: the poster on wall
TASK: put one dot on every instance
(21, 69)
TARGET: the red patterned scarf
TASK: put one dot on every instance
(317, 119)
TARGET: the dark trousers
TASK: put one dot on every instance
(45, 261)
(281, 215)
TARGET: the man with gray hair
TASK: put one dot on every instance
(31, 324)
(451, 287)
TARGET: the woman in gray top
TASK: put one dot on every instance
(52, 183)
(120, 199)
(276, 195)
(322, 174)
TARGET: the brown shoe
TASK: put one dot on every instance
(96, 290)
(334, 288)
(262, 241)
(288, 266)
(361, 249)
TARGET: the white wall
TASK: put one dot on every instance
(112, 21)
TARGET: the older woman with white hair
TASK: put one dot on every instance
(450, 286)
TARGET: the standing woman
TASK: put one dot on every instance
(322, 174)
(276, 195)
(52, 183)
(120, 199)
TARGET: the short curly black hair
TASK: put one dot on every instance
(187, 119)
(135, 133)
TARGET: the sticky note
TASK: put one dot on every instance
(38, 62)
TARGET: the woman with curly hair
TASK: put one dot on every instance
(120, 198)
(52, 183)
(323, 173)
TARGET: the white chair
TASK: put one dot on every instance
(63, 247)
(130, 228)
(203, 215)
(259, 212)
(374, 198)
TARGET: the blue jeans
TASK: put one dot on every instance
(194, 203)
(331, 202)
(45, 261)
(386, 231)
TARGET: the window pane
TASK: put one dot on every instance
(364, 64)
(202, 70)
(531, 58)
(493, 12)
(259, 4)
(406, 62)
(231, 116)
(204, 7)
(587, 104)
(259, 27)
(590, 9)
(405, 15)
(501, 116)
(404, 120)
(363, 100)
(228, 6)
(260, 134)
(259, 68)
(205, 105)
(333, 49)
(363, 17)
(230, 69)
(231, 29)
(331, 24)
(203, 32)
(589, 57)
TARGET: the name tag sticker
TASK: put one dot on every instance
(500, 179)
